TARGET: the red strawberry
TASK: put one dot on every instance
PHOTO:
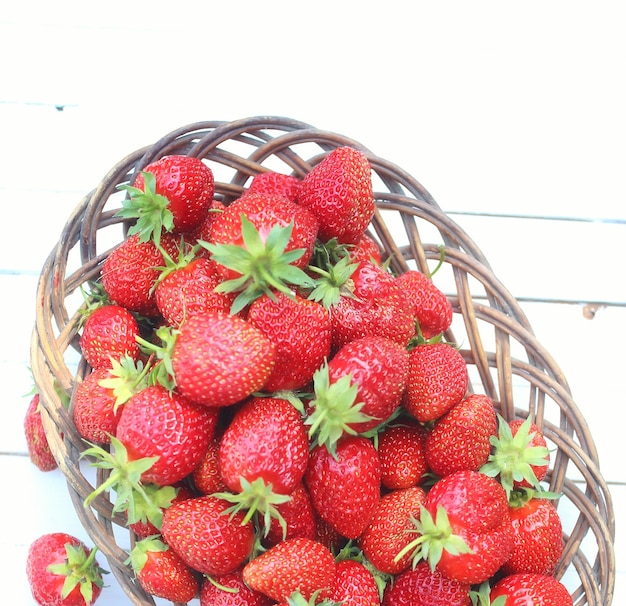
(354, 585)
(535, 589)
(401, 450)
(263, 454)
(360, 388)
(301, 332)
(130, 272)
(537, 537)
(230, 590)
(460, 438)
(298, 564)
(389, 530)
(274, 183)
(431, 307)
(172, 194)
(345, 488)
(219, 359)
(206, 476)
(438, 380)
(365, 249)
(298, 515)
(203, 232)
(188, 287)
(339, 192)
(37, 443)
(109, 332)
(62, 571)
(465, 527)
(157, 423)
(206, 537)
(421, 586)
(161, 571)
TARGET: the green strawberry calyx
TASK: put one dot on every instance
(297, 599)
(334, 282)
(434, 536)
(264, 265)
(79, 569)
(126, 378)
(481, 596)
(512, 458)
(150, 209)
(138, 555)
(138, 501)
(334, 409)
(257, 498)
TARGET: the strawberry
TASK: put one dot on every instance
(274, 183)
(421, 586)
(230, 590)
(109, 332)
(130, 272)
(171, 194)
(460, 438)
(341, 495)
(401, 450)
(365, 249)
(536, 589)
(431, 308)
(339, 192)
(161, 571)
(187, 287)
(360, 388)
(206, 477)
(438, 379)
(354, 585)
(298, 564)
(389, 530)
(537, 535)
(301, 332)
(206, 537)
(298, 515)
(37, 443)
(202, 233)
(262, 243)
(263, 455)
(520, 457)
(219, 359)
(63, 571)
(465, 527)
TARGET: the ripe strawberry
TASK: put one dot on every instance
(421, 586)
(365, 249)
(206, 537)
(157, 423)
(301, 332)
(536, 589)
(130, 272)
(438, 380)
(206, 477)
(389, 530)
(219, 359)
(274, 183)
(339, 192)
(537, 536)
(298, 564)
(401, 450)
(520, 456)
(63, 571)
(109, 332)
(431, 308)
(263, 455)
(354, 585)
(460, 438)
(37, 443)
(161, 571)
(299, 518)
(341, 496)
(202, 233)
(465, 527)
(171, 194)
(360, 388)
(188, 287)
(230, 590)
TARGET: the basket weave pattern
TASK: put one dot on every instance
(504, 358)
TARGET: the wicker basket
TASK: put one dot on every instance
(504, 358)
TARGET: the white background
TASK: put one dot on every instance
(496, 107)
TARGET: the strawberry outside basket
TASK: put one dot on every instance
(504, 358)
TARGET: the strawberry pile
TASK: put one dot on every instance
(282, 417)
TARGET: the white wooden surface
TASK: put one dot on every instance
(495, 108)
